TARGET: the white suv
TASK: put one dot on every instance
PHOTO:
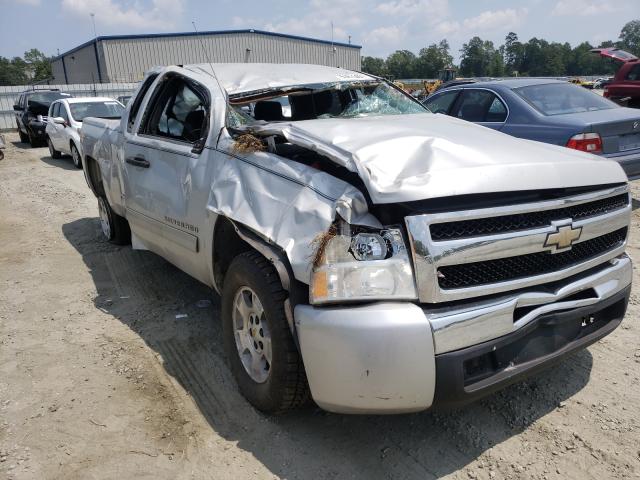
(65, 119)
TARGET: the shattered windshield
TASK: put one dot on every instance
(308, 102)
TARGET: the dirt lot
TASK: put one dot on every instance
(100, 378)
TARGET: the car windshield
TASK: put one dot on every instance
(46, 98)
(110, 109)
(563, 98)
(307, 102)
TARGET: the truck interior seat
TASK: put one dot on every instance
(268, 111)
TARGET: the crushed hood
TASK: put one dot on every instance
(414, 157)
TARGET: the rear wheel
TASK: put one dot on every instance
(75, 156)
(114, 227)
(257, 340)
(24, 138)
(52, 151)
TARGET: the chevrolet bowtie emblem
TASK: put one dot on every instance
(563, 237)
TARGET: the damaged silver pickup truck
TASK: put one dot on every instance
(377, 256)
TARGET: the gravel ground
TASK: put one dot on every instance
(102, 377)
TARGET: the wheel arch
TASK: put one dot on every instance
(93, 175)
(231, 238)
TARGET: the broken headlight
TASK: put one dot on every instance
(365, 266)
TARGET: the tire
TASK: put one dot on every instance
(274, 386)
(52, 151)
(75, 156)
(24, 138)
(32, 141)
(114, 227)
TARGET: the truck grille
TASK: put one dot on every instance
(463, 254)
(511, 268)
(524, 221)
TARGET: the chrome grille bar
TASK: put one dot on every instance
(429, 255)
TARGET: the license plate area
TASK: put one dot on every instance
(629, 142)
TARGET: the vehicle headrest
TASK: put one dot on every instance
(268, 111)
(193, 125)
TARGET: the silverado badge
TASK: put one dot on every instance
(563, 237)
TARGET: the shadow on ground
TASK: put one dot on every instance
(21, 145)
(66, 163)
(146, 293)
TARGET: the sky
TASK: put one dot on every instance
(380, 26)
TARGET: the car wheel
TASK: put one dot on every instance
(114, 227)
(32, 141)
(24, 138)
(75, 156)
(258, 343)
(52, 151)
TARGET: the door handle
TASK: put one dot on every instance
(138, 162)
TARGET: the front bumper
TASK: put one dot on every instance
(38, 129)
(399, 357)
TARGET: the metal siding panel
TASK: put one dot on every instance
(128, 59)
(57, 71)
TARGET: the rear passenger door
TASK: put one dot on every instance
(481, 106)
(159, 160)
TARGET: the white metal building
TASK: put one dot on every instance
(125, 58)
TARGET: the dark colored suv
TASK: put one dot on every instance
(31, 110)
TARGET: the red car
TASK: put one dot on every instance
(625, 87)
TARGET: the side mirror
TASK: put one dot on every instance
(59, 121)
(18, 108)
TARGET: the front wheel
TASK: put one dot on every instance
(75, 156)
(257, 339)
(114, 227)
(33, 141)
(24, 138)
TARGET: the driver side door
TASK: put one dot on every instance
(160, 160)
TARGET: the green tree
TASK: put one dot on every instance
(583, 62)
(401, 64)
(513, 54)
(13, 72)
(630, 37)
(374, 66)
(39, 64)
(481, 59)
(432, 59)
(474, 60)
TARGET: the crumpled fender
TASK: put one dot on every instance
(289, 203)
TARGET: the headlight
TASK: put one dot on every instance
(367, 266)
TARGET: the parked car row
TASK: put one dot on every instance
(54, 118)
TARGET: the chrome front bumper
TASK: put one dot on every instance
(381, 358)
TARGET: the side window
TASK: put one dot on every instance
(55, 110)
(178, 112)
(480, 106)
(634, 73)
(135, 107)
(63, 112)
(497, 111)
(441, 103)
(19, 102)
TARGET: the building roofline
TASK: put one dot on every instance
(194, 34)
